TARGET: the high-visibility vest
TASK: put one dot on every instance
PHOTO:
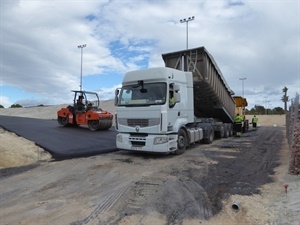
(172, 100)
(254, 120)
(238, 119)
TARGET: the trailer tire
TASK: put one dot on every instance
(230, 130)
(226, 131)
(220, 134)
(181, 142)
(210, 138)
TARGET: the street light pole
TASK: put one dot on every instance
(242, 79)
(81, 47)
(187, 20)
(266, 104)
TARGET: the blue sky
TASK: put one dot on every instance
(40, 60)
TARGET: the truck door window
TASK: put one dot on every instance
(171, 96)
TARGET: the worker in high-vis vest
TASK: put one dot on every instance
(238, 120)
(254, 122)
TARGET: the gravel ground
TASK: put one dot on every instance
(198, 187)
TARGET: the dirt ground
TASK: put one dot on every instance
(232, 181)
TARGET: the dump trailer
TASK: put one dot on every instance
(166, 109)
(212, 95)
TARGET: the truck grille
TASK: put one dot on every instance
(139, 122)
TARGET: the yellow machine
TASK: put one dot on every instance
(240, 109)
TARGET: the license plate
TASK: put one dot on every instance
(136, 148)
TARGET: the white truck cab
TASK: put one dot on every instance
(155, 111)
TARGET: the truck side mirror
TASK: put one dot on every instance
(176, 87)
(117, 92)
(177, 97)
(116, 100)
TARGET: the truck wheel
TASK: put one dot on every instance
(243, 128)
(220, 134)
(230, 130)
(63, 121)
(210, 138)
(226, 131)
(94, 125)
(181, 142)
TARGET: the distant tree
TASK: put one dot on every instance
(258, 109)
(278, 110)
(1, 106)
(16, 106)
(285, 98)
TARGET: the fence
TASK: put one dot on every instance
(293, 135)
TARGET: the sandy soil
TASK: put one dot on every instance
(17, 151)
(124, 188)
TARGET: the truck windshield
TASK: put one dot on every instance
(149, 94)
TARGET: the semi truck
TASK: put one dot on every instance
(166, 109)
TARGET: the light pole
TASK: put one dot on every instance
(266, 104)
(81, 47)
(242, 79)
(267, 109)
(187, 20)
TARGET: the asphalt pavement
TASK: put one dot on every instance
(61, 142)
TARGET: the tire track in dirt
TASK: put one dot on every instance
(104, 205)
(245, 168)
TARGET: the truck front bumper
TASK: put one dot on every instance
(149, 143)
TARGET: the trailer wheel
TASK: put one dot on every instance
(220, 134)
(63, 121)
(94, 125)
(230, 130)
(210, 138)
(181, 142)
(226, 131)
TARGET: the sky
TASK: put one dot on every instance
(40, 62)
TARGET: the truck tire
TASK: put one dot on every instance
(210, 138)
(226, 130)
(181, 142)
(230, 130)
(220, 134)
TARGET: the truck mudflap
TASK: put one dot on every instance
(149, 143)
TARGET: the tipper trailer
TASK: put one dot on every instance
(168, 108)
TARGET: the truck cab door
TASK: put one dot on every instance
(174, 111)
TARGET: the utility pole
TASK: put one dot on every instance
(187, 20)
(267, 109)
(81, 47)
(242, 79)
(266, 104)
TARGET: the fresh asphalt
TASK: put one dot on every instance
(61, 142)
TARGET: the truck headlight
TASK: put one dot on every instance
(119, 138)
(160, 140)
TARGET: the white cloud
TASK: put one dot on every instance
(108, 93)
(5, 102)
(254, 39)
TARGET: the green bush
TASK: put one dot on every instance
(16, 106)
